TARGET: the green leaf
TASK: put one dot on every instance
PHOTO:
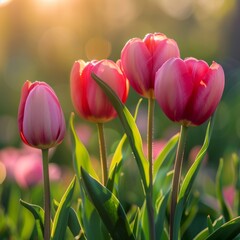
(205, 232)
(189, 180)
(225, 209)
(38, 214)
(130, 128)
(160, 216)
(117, 159)
(192, 172)
(210, 225)
(90, 219)
(228, 230)
(109, 208)
(73, 221)
(167, 150)
(80, 154)
(61, 217)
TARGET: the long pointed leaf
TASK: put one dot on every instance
(130, 128)
(61, 217)
(117, 158)
(109, 208)
(80, 154)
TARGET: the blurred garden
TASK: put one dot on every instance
(41, 39)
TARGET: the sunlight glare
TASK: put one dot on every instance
(4, 2)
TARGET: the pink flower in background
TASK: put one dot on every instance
(140, 60)
(40, 117)
(9, 157)
(229, 194)
(24, 166)
(188, 91)
(28, 170)
(157, 147)
(89, 100)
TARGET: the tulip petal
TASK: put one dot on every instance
(208, 94)
(137, 64)
(173, 88)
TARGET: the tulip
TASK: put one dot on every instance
(141, 59)
(189, 90)
(88, 98)
(40, 118)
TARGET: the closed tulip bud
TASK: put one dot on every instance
(40, 118)
(141, 59)
(89, 100)
(188, 91)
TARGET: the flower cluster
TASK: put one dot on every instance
(187, 90)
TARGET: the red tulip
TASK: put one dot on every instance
(40, 118)
(141, 59)
(89, 100)
(188, 91)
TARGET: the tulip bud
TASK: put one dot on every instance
(89, 100)
(188, 91)
(141, 59)
(40, 118)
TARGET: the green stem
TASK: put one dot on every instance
(47, 203)
(149, 198)
(103, 155)
(177, 176)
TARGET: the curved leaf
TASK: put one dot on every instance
(73, 221)
(117, 158)
(109, 208)
(168, 148)
(80, 154)
(38, 214)
(228, 230)
(61, 217)
(130, 128)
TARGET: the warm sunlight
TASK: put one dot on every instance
(4, 2)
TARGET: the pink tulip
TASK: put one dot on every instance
(188, 91)
(141, 59)
(40, 118)
(88, 99)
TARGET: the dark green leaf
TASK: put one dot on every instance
(205, 233)
(225, 209)
(61, 217)
(73, 221)
(109, 208)
(228, 230)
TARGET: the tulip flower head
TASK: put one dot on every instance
(141, 59)
(89, 100)
(189, 90)
(40, 117)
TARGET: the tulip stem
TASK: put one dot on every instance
(149, 199)
(177, 177)
(103, 154)
(47, 203)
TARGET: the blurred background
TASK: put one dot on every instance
(40, 40)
